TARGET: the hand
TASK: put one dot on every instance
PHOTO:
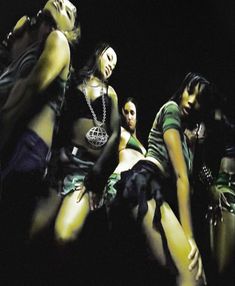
(81, 191)
(95, 200)
(214, 213)
(196, 260)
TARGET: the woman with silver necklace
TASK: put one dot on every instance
(91, 131)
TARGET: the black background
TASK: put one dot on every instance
(157, 42)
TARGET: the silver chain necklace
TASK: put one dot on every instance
(97, 135)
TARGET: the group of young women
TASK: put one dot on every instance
(64, 155)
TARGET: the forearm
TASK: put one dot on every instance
(183, 194)
(104, 166)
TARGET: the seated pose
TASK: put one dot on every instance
(91, 130)
(130, 148)
(145, 186)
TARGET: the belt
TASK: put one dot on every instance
(80, 152)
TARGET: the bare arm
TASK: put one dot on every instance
(174, 147)
(124, 137)
(106, 163)
(53, 62)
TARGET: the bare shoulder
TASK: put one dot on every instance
(112, 94)
(56, 37)
(125, 133)
(125, 136)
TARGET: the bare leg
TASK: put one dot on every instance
(71, 217)
(223, 235)
(178, 244)
(44, 213)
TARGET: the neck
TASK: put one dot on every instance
(94, 81)
(132, 132)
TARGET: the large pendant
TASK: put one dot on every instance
(97, 137)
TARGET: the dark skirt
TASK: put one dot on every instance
(139, 185)
(28, 164)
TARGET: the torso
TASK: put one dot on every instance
(167, 117)
(24, 55)
(44, 121)
(81, 121)
(130, 152)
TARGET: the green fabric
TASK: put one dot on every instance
(167, 117)
(70, 182)
(110, 191)
(134, 144)
(226, 179)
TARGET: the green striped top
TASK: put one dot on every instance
(167, 117)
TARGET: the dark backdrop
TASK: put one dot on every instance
(157, 41)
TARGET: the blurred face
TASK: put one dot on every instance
(190, 102)
(129, 113)
(107, 62)
(63, 12)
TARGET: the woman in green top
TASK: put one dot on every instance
(130, 148)
(169, 158)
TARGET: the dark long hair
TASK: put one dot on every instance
(129, 99)
(190, 81)
(207, 91)
(126, 100)
(30, 23)
(91, 66)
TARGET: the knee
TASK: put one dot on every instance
(65, 233)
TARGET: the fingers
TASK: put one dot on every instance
(214, 214)
(91, 201)
(199, 270)
(95, 201)
(192, 252)
(204, 278)
(81, 191)
(193, 248)
(225, 201)
(195, 260)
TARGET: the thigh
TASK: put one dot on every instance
(152, 235)
(177, 241)
(223, 235)
(45, 212)
(72, 214)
